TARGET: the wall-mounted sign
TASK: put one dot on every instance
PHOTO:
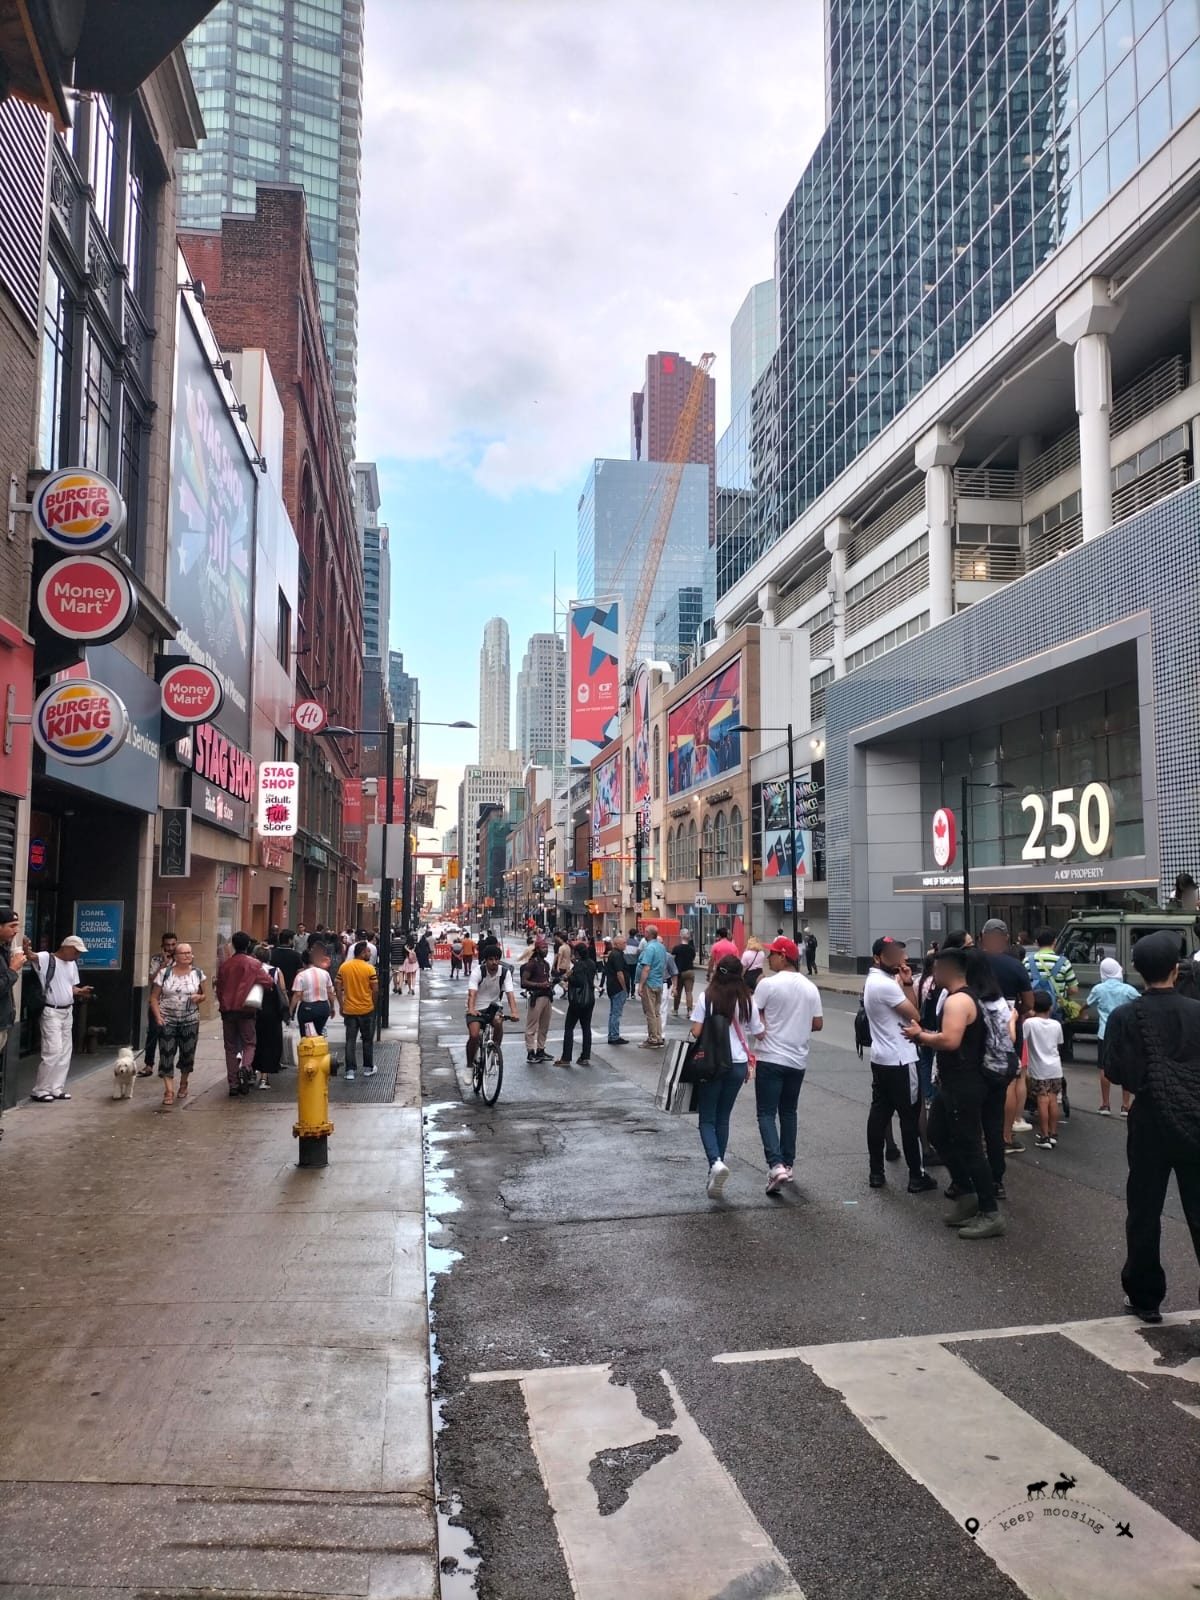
(1086, 823)
(80, 722)
(78, 510)
(218, 761)
(99, 923)
(87, 597)
(278, 799)
(191, 692)
(945, 837)
(310, 716)
(175, 843)
(37, 855)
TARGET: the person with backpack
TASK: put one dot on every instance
(581, 998)
(889, 1002)
(1152, 1050)
(538, 984)
(1052, 974)
(724, 1020)
(1000, 1061)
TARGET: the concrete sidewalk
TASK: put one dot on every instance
(214, 1367)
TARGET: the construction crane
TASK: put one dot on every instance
(663, 494)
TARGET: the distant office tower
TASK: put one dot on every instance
(654, 415)
(617, 513)
(753, 338)
(749, 445)
(542, 700)
(676, 627)
(280, 88)
(495, 686)
(405, 692)
(377, 561)
(482, 784)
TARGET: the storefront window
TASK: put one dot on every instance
(56, 364)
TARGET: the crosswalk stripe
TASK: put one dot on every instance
(676, 1528)
(978, 1453)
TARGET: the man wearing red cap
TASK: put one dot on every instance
(790, 1006)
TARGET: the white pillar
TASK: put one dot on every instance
(1085, 320)
(935, 455)
(768, 600)
(837, 539)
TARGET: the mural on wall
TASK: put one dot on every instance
(701, 742)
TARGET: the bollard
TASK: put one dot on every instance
(312, 1126)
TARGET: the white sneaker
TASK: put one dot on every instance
(777, 1178)
(369, 1072)
(718, 1176)
(350, 1076)
(1021, 1126)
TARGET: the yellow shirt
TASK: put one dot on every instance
(355, 978)
(468, 947)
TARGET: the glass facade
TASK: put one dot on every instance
(965, 142)
(280, 88)
(617, 514)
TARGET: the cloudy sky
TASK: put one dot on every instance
(551, 189)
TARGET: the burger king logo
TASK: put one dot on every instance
(80, 722)
(77, 509)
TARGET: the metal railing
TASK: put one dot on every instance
(1054, 542)
(874, 533)
(988, 563)
(988, 483)
(1147, 393)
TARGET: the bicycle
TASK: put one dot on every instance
(486, 1079)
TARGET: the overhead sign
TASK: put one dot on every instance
(88, 598)
(191, 692)
(80, 722)
(78, 510)
(945, 837)
(218, 760)
(593, 662)
(175, 843)
(310, 715)
(278, 799)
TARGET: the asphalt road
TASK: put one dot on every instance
(593, 1442)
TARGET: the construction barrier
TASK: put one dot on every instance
(441, 952)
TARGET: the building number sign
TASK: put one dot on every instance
(1087, 822)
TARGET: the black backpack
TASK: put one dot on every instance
(862, 1030)
(34, 990)
(711, 1055)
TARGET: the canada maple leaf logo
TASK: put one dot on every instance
(939, 827)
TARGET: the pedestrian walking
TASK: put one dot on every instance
(649, 975)
(11, 963)
(616, 986)
(286, 957)
(810, 952)
(789, 1006)
(357, 991)
(424, 953)
(1052, 974)
(890, 1002)
(538, 984)
(161, 958)
(754, 962)
(468, 952)
(175, 999)
(729, 1008)
(1001, 1064)
(581, 998)
(722, 946)
(1153, 1052)
(1012, 976)
(268, 1022)
(313, 998)
(1112, 991)
(956, 1116)
(236, 979)
(1043, 1035)
(684, 955)
(301, 938)
(409, 968)
(562, 962)
(456, 958)
(59, 975)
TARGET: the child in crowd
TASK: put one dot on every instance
(1044, 1041)
(1112, 991)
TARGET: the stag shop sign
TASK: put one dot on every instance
(222, 778)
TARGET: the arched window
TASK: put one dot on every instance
(736, 847)
(672, 853)
(628, 782)
(706, 844)
(689, 864)
(721, 846)
(657, 767)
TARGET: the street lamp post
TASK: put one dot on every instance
(743, 727)
(964, 840)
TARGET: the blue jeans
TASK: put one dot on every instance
(716, 1105)
(616, 1005)
(776, 1092)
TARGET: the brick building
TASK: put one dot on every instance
(261, 292)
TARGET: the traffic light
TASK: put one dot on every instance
(558, 880)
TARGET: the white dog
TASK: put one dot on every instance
(124, 1072)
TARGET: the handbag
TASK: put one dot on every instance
(709, 1056)
(675, 1093)
(254, 998)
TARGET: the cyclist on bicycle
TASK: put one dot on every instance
(485, 998)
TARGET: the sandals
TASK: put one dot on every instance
(182, 1092)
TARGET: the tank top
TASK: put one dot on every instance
(969, 1055)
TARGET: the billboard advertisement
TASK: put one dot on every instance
(424, 802)
(210, 542)
(701, 743)
(641, 743)
(594, 651)
(606, 794)
(777, 837)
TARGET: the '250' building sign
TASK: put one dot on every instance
(1086, 823)
(221, 763)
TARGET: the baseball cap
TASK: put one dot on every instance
(996, 925)
(785, 947)
(7, 914)
(75, 943)
(888, 943)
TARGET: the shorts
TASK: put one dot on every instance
(485, 1016)
(1045, 1085)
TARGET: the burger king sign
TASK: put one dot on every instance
(80, 722)
(78, 510)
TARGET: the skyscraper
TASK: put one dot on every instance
(280, 88)
(405, 692)
(376, 560)
(495, 686)
(654, 412)
(542, 699)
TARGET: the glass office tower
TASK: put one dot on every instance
(966, 140)
(280, 87)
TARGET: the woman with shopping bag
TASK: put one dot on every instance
(724, 1020)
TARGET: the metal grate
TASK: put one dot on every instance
(1053, 542)
(1062, 455)
(911, 580)
(988, 483)
(988, 563)
(815, 583)
(1147, 393)
(377, 1091)
(874, 533)
(1151, 486)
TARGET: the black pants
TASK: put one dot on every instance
(892, 1092)
(1151, 1162)
(152, 1037)
(359, 1026)
(956, 1133)
(995, 1092)
(583, 1016)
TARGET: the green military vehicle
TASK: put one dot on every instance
(1091, 936)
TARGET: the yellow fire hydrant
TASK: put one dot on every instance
(312, 1126)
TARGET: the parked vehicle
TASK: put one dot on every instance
(1091, 936)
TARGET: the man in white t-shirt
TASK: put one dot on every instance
(489, 988)
(60, 984)
(890, 1001)
(790, 1006)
